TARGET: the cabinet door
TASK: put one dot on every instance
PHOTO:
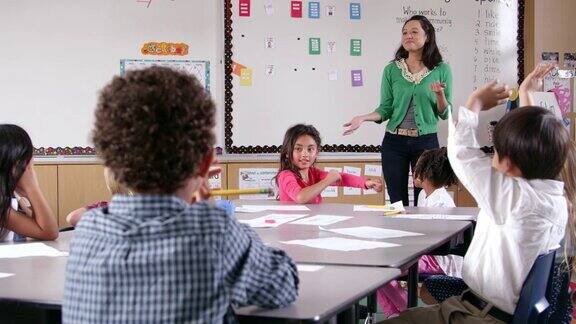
(48, 181)
(79, 185)
(465, 199)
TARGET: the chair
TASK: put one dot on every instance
(533, 306)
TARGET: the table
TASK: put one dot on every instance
(34, 294)
(325, 293)
(404, 257)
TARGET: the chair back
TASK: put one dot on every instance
(533, 306)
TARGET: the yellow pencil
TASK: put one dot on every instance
(230, 192)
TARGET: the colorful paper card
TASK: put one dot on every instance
(246, 77)
(244, 8)
(296, 9)
(236, 68)
(314, 46)
(357, 78)
(355, 47)
(313, 10)
(355, 11)
(164, 48)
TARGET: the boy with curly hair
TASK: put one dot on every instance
(161, 256)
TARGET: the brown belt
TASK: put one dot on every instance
(480, 303)
(406, 132)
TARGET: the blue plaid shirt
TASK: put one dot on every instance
(158, 259)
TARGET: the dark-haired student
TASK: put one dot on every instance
(415, 92)
(162, 256)
(24, 211)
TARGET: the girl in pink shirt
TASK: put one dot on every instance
(298, 180)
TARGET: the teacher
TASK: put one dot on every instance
(415, 91)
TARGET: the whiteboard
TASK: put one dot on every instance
(58, 54)
(480, 40)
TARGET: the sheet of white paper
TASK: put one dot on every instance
(308, 267)
(259, 208)
(333, 75)
(251, 178)
(28, 250)
(341, 244)
(240, 209)
(321, 220)
(397, 206)
(272, 220)
(437, 216)
(269, 8)
(547, 100)
(331, 46)
(370, 191)
(331, 191)
(373, 170)
(370, 232)
(5, 275)
(215, 181)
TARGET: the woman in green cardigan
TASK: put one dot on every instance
(416, 91)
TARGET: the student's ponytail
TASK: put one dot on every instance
(569, 177)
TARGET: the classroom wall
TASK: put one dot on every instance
(554, 27)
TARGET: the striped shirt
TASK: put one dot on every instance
(158, 259)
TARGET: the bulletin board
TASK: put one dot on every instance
(199, 69)
(321, 63)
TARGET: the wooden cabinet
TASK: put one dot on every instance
(465, 199)
(71, 186)
(78, 186)
(48, 180)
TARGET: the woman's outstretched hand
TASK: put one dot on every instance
(352, 125)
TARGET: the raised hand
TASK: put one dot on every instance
(488, 96)
(533, 83)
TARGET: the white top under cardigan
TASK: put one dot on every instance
(450, 264)
(519, 219)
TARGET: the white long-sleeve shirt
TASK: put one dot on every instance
(519, 219)
(451, 264)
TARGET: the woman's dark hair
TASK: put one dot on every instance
(534, 140)
(15, 153)
(431, 56)
(433, 166)
(290, 138)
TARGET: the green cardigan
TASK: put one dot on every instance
(396, 92)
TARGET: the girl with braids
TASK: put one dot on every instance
(433, 174)
(24, 212)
